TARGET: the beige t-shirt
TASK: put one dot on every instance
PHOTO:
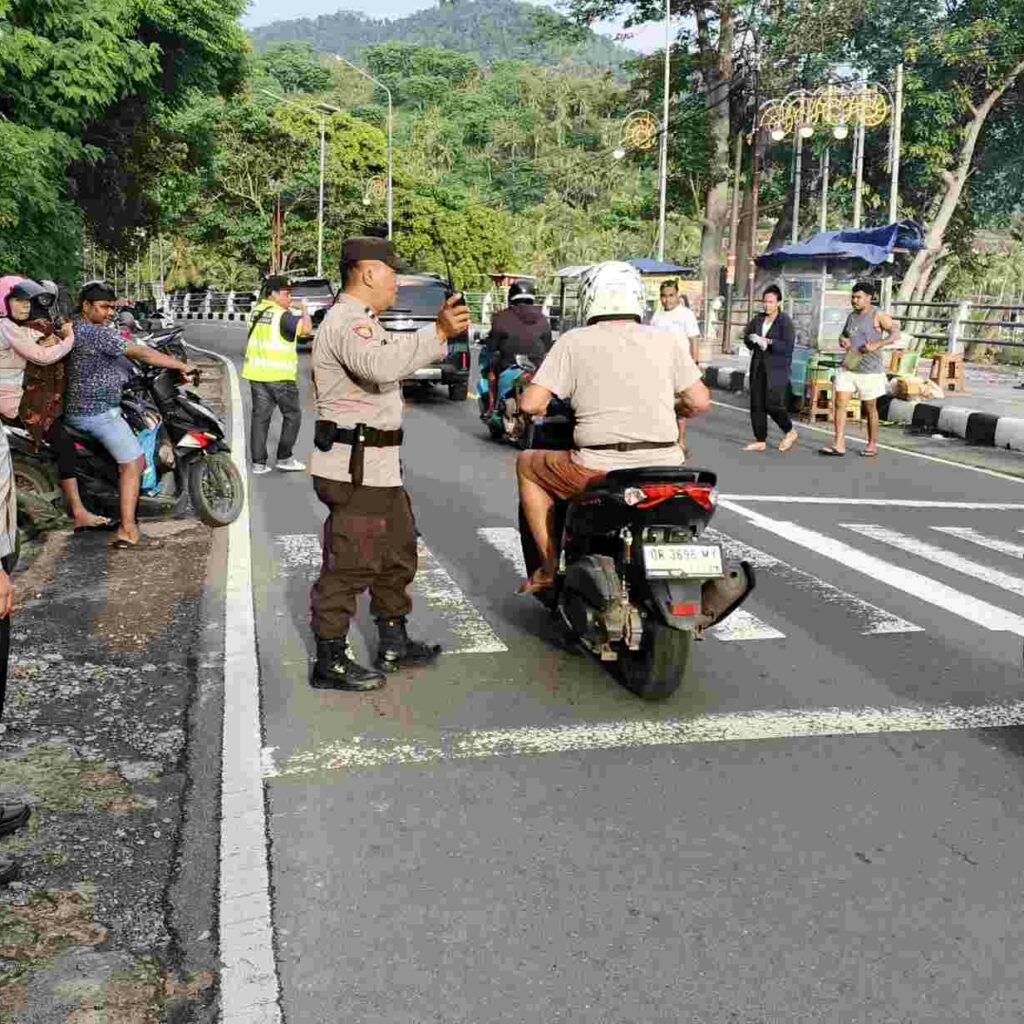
(622, 379)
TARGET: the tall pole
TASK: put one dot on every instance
(755, 189)
(823, 223)
(391, 207)
(858, 165)
(320, 217)
(794, 235)
(730, 260)
(663, 173)
(894, 169)
(163, 291)
(387, 91)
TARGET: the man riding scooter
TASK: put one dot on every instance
(521, 329)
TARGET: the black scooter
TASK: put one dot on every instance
(635, 586)
(192, 458)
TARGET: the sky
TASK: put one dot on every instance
(645, 38)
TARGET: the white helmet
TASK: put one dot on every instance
(612, 289)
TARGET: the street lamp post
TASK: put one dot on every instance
(369, 77)
(323, 109)
(663, 172)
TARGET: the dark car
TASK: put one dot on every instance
(319, 296)
(420, 296)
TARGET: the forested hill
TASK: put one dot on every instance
(489, 30)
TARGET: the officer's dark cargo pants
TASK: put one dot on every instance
(368, 540)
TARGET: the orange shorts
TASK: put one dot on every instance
(556, 472)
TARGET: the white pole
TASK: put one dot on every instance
(894, 169)
(390, 199)
(824, 190)
(858, 158)
(798, 183)
(663, 173)
(320, 218)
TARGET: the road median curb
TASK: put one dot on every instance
(974, 426)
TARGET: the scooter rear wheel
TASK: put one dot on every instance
(661, 665)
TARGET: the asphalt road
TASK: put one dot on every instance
(815, 829)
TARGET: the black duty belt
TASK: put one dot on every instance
(328, 433)
(630, 446)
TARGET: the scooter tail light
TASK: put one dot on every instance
(195, 439)
(704, 494)
(655, 494)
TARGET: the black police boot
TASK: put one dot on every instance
(335, 669)
(395, 650)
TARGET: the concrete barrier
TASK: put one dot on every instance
(953, 420)
(1010, 433)
(901, 411)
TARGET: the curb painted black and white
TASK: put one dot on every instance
(974, 426)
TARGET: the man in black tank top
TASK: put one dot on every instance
(862, 375)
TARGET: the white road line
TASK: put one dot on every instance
(300, 554)
(1004, 547)
(806, 499)
(741, 625)
(505, 540)
(442, 594)
(940, 556)
(923, 588)
(249, 990)
(364, 752)
(896, 451)
(871, 620)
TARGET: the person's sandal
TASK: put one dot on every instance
(788, 441)
(757, 446)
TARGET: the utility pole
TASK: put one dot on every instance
(894, 170)
(823, 223)
(730, 260)
(664, 133)
(320, 216)
(794, 235)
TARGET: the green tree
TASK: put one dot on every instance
(294, 66)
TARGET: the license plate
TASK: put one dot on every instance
(682, 560)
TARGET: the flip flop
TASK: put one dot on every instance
(13, 815)
(865, 454)
(144, 541)
(10, 867)
(98, 528)
(832, 452)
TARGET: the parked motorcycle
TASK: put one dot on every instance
(190, 458)
(505, 421)
(635, 585)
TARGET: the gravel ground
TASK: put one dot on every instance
(110, 650)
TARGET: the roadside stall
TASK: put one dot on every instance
(816, 277)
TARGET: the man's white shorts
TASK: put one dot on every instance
(865, 386)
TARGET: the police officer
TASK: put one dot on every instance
(369, 537)
(271, 367)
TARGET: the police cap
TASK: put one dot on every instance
(355, 250)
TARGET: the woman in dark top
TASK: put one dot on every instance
(770, 336)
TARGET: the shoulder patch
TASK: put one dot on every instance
(363, 329)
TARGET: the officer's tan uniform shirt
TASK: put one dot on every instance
(358, 367)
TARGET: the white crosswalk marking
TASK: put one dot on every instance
(919, 586)
(442, 594)
(741, 625)
(871, 619)
(505, 540)
(1004, 547)
(940, 556)
(433, 587)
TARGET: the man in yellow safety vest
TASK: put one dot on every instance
(271, 367)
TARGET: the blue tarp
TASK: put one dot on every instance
(872, 245)
(648, 266)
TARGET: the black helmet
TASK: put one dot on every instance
(36, 295)
(521, 291)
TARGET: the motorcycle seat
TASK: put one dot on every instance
(640, 475)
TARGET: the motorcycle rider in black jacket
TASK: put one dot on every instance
(520, 329)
